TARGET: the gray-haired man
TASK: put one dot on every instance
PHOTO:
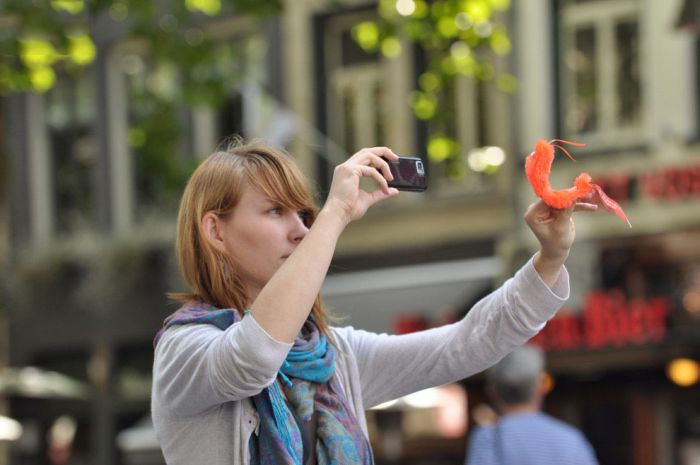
(524, 435)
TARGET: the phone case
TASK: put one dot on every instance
(409, 174)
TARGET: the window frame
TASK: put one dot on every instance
(603, 16)
(470, 129)
(201, 124)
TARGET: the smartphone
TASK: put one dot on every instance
(409, 174)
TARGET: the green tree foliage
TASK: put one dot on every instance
(459, 38)
(40, 39)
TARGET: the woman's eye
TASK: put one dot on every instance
(276, 211)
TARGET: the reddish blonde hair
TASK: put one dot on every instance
(216, 186)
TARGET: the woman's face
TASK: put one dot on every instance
(259, 235)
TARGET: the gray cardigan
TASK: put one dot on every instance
(203, 377)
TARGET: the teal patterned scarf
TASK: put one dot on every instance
(311, 389)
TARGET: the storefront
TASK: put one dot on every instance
(624, 356)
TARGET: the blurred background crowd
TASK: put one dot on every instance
(107, 105)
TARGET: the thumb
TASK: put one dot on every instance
(379, 194)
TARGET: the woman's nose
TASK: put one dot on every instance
(299, 229)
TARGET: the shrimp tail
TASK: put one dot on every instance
(610, 204)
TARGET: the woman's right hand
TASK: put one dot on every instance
(346, 198)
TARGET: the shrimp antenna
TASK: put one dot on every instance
(575, 144)
(565, 151)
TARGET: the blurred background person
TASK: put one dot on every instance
(524, 435)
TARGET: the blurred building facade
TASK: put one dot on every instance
(622, 77)
(87, 245)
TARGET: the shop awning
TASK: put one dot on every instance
(372, 299)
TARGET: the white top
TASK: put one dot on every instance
(203, 377)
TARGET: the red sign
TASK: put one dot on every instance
(409, 323)
(669, 184)
(608, 319)
(405, 323)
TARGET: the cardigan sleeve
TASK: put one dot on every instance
(199, 366)
(392, 366)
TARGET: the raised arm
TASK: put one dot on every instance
(286, 300)
(393, 366)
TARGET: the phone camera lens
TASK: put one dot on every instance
(419, 167)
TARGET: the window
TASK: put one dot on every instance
(357, 118)
(70, 113)
(363, 98)
(230, 117)
(355, 87)
(365, 103)
(240, 57)
(155, 133)
(469, 123)
(168, 134)
(601, 83)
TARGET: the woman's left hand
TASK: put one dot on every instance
(555, 231)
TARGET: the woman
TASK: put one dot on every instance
(249, 371)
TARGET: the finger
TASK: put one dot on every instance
(385, 152)
(585, 206)
(567, 212)
(379, 195)
(541, 208)
(535, 209)
(369, 171)
(381, 164)
(563, 216)
(551, 215)
(368, 157)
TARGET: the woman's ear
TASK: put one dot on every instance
(211, 230)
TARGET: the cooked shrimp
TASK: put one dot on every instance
(538, 166)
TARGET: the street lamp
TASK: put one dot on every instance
(10, 430)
